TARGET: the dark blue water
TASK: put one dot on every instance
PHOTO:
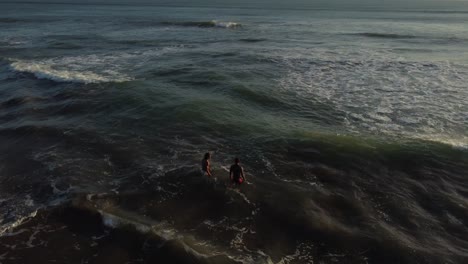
(351, 125)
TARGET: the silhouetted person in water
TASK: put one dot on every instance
(206, 169)
(236, 173)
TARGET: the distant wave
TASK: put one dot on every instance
(9, 42)
(205, 24)
(43, 70)
(63, 45)
(252, 40)
(434, 11)
(434, 39)
(9, 20)
(384, 35)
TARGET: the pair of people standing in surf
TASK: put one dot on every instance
(236, 172)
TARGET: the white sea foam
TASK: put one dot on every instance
(31, 239)
(44, 71)
(381, 92)
(225, 24)
(5, 231)
(237, 242)
(460, 142)
(22, 208)
(29, 202)
(96, 68)
(114, 221)
(12, 41)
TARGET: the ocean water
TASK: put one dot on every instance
(351, 125)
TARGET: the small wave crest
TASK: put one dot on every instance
(226, 24)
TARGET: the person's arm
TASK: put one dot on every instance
(208, 168)
(230, 173)
(243, 174)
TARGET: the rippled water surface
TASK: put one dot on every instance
(351, 127)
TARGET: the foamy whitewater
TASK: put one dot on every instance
(351, 125)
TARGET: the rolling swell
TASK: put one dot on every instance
(332, 220)
(252, 40)
(398, 221)
(396, 36)
(9, 20)
(385, 35)
(14, 21)
(335, 199)
(129, 242)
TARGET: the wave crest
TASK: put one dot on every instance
(226, 24)
(42, 70)
(93, 68)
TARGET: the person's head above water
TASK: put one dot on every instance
(236, 160)
(207, 155)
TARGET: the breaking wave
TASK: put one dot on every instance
(45, 71)
(393, 102)
(95, 68)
